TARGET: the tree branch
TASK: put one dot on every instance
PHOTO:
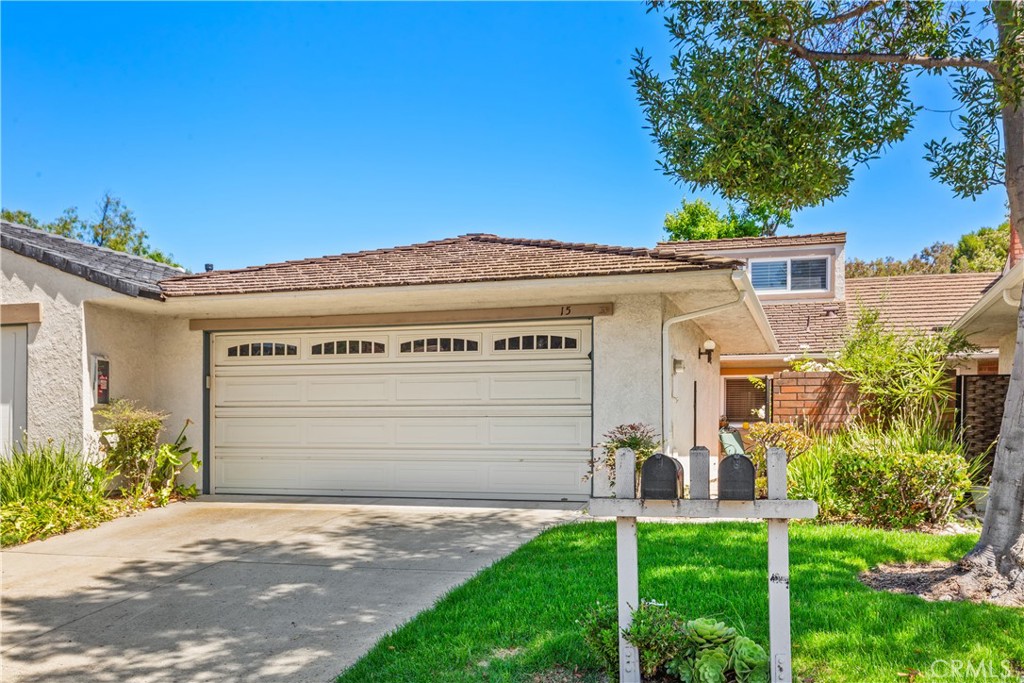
(883, 58)
(852, 14)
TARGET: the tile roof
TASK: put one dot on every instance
(469, 258)
(704, 246)
(124, 273)
(921, 302)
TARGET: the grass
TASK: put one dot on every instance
(527, 604)
(48, 489)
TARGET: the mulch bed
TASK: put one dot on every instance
(943, 581)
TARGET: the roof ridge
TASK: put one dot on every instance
(993, 273)
(72, 240)
(468, 237)
(325, 257)
(719, 240)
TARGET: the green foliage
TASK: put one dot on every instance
(47, 489)
(900, 375)
(812, 477)
(932, 260)
(749, 661)
(697, 220)
(777, 102)
(901, 490)
(982, 251)
(656, 633)
(148, 470)
(637, 436)
(600, 629)
(114, 228)
(765, 435)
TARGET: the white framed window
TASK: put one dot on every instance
(809, 274)
(743, 400)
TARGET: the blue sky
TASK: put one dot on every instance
(250, 133)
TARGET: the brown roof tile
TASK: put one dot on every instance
(704, 246)
(921, 302)
(469, 258)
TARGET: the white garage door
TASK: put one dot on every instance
(469, 411)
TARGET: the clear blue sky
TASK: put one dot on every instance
(249, 133)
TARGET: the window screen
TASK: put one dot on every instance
(809, 274)
(768, 275)
(743, 399)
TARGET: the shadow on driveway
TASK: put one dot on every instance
(213, 591)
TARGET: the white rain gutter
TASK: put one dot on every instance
(668, 367)
(1009, 299)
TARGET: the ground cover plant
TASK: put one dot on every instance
(49, 488)
(519, 620)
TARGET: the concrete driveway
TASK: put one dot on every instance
(234, 589)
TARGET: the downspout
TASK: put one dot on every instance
(1009, 299)
(666, 355)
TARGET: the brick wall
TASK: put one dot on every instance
(818, 401)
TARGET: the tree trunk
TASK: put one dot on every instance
(1001, 546)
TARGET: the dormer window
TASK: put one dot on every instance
(790, 275)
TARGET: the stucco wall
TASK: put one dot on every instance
(58, 373)
(627, 366)
(1007, 345)
(178, 384)
(690, 412)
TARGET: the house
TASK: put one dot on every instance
(801, 282)
(478, 366)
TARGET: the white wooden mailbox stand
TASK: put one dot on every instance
(778, 510)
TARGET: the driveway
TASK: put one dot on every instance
(235, 589)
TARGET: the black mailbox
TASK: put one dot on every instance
(660, 477)
(736, 478)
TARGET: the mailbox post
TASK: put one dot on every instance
(777, 510)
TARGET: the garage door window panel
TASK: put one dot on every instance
(262, 349)
(440, 345)
(349, 347)
(536, 342)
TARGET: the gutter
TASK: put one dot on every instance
(667, 368)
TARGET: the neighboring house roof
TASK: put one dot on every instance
(116, 270)
(921, 302)
(469, 258)
(690, 247)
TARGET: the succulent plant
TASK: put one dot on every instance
(749, 661)
(707, 633)
(711, 665)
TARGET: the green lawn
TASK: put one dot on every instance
(520, 615)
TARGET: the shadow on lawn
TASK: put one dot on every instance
(301, 608)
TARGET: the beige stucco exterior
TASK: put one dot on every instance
(157, 360)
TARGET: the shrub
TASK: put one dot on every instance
(149, 471)
(47, 489)
(896, 489)
(899, 375)
(600, 627)
(765, 435)
(657, 634)
(639, 437)
(812, 476)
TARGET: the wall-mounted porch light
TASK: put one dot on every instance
(708, 350)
